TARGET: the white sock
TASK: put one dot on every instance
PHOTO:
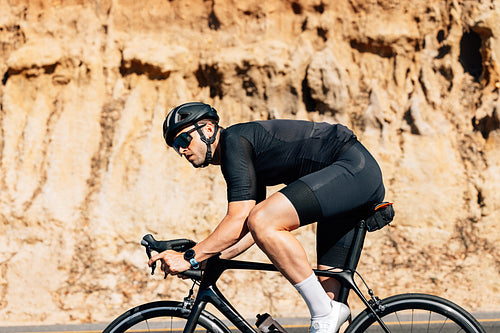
(314, 295)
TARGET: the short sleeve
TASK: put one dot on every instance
(237, 166)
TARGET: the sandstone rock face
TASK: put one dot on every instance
(85, 173)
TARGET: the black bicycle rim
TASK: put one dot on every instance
(163, 316)
(417, 313)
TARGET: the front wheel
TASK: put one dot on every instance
(417, 313)
(163, 316)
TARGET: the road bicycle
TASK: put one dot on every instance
(400, 313)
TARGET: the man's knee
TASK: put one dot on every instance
(256, 221)
(261, 222)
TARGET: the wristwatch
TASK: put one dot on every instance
(189, 256)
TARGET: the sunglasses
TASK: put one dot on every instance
(184, 139)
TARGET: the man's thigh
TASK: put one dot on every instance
(275, 212)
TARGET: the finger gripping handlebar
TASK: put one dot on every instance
(179, 245)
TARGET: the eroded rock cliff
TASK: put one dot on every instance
(85, 173)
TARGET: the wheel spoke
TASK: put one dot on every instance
(412, 313)
(399, 321)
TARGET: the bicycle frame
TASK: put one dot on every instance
(215, 266)
(209, 293)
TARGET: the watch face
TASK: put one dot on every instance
(189, 254)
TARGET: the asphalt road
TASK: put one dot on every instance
(489, 320)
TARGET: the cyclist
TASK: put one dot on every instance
(330, 178)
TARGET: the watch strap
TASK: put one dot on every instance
(194, 263)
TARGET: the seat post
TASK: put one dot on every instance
(354, 255)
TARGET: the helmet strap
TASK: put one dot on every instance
(208, 142)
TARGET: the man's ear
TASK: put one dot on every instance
(210, 129)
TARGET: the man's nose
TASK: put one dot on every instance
(182, 150)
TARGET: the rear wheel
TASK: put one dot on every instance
(163, 316)
(417, 313)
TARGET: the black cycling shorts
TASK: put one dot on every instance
(336, 197)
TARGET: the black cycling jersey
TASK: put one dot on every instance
(331, 178)
(263, 153)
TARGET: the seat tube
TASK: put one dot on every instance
(354, 255)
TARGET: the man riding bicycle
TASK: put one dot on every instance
(330, 178)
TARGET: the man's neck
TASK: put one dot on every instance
(216, 160)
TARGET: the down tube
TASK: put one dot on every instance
(213, 295)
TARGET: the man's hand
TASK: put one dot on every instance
(172, 262)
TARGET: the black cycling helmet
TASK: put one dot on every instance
(185, 115)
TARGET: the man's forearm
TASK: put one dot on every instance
(230, 230)
(224, 236)
(241, 246)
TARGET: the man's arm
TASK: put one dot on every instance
(241, 246)
(230, 230)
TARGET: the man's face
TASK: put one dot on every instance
(195, 153)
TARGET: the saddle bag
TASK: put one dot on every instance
(382, 216)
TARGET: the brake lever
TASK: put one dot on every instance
(153, 266)
(148, 252)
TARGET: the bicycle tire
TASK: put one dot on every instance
(162, 316)
(417, 313)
